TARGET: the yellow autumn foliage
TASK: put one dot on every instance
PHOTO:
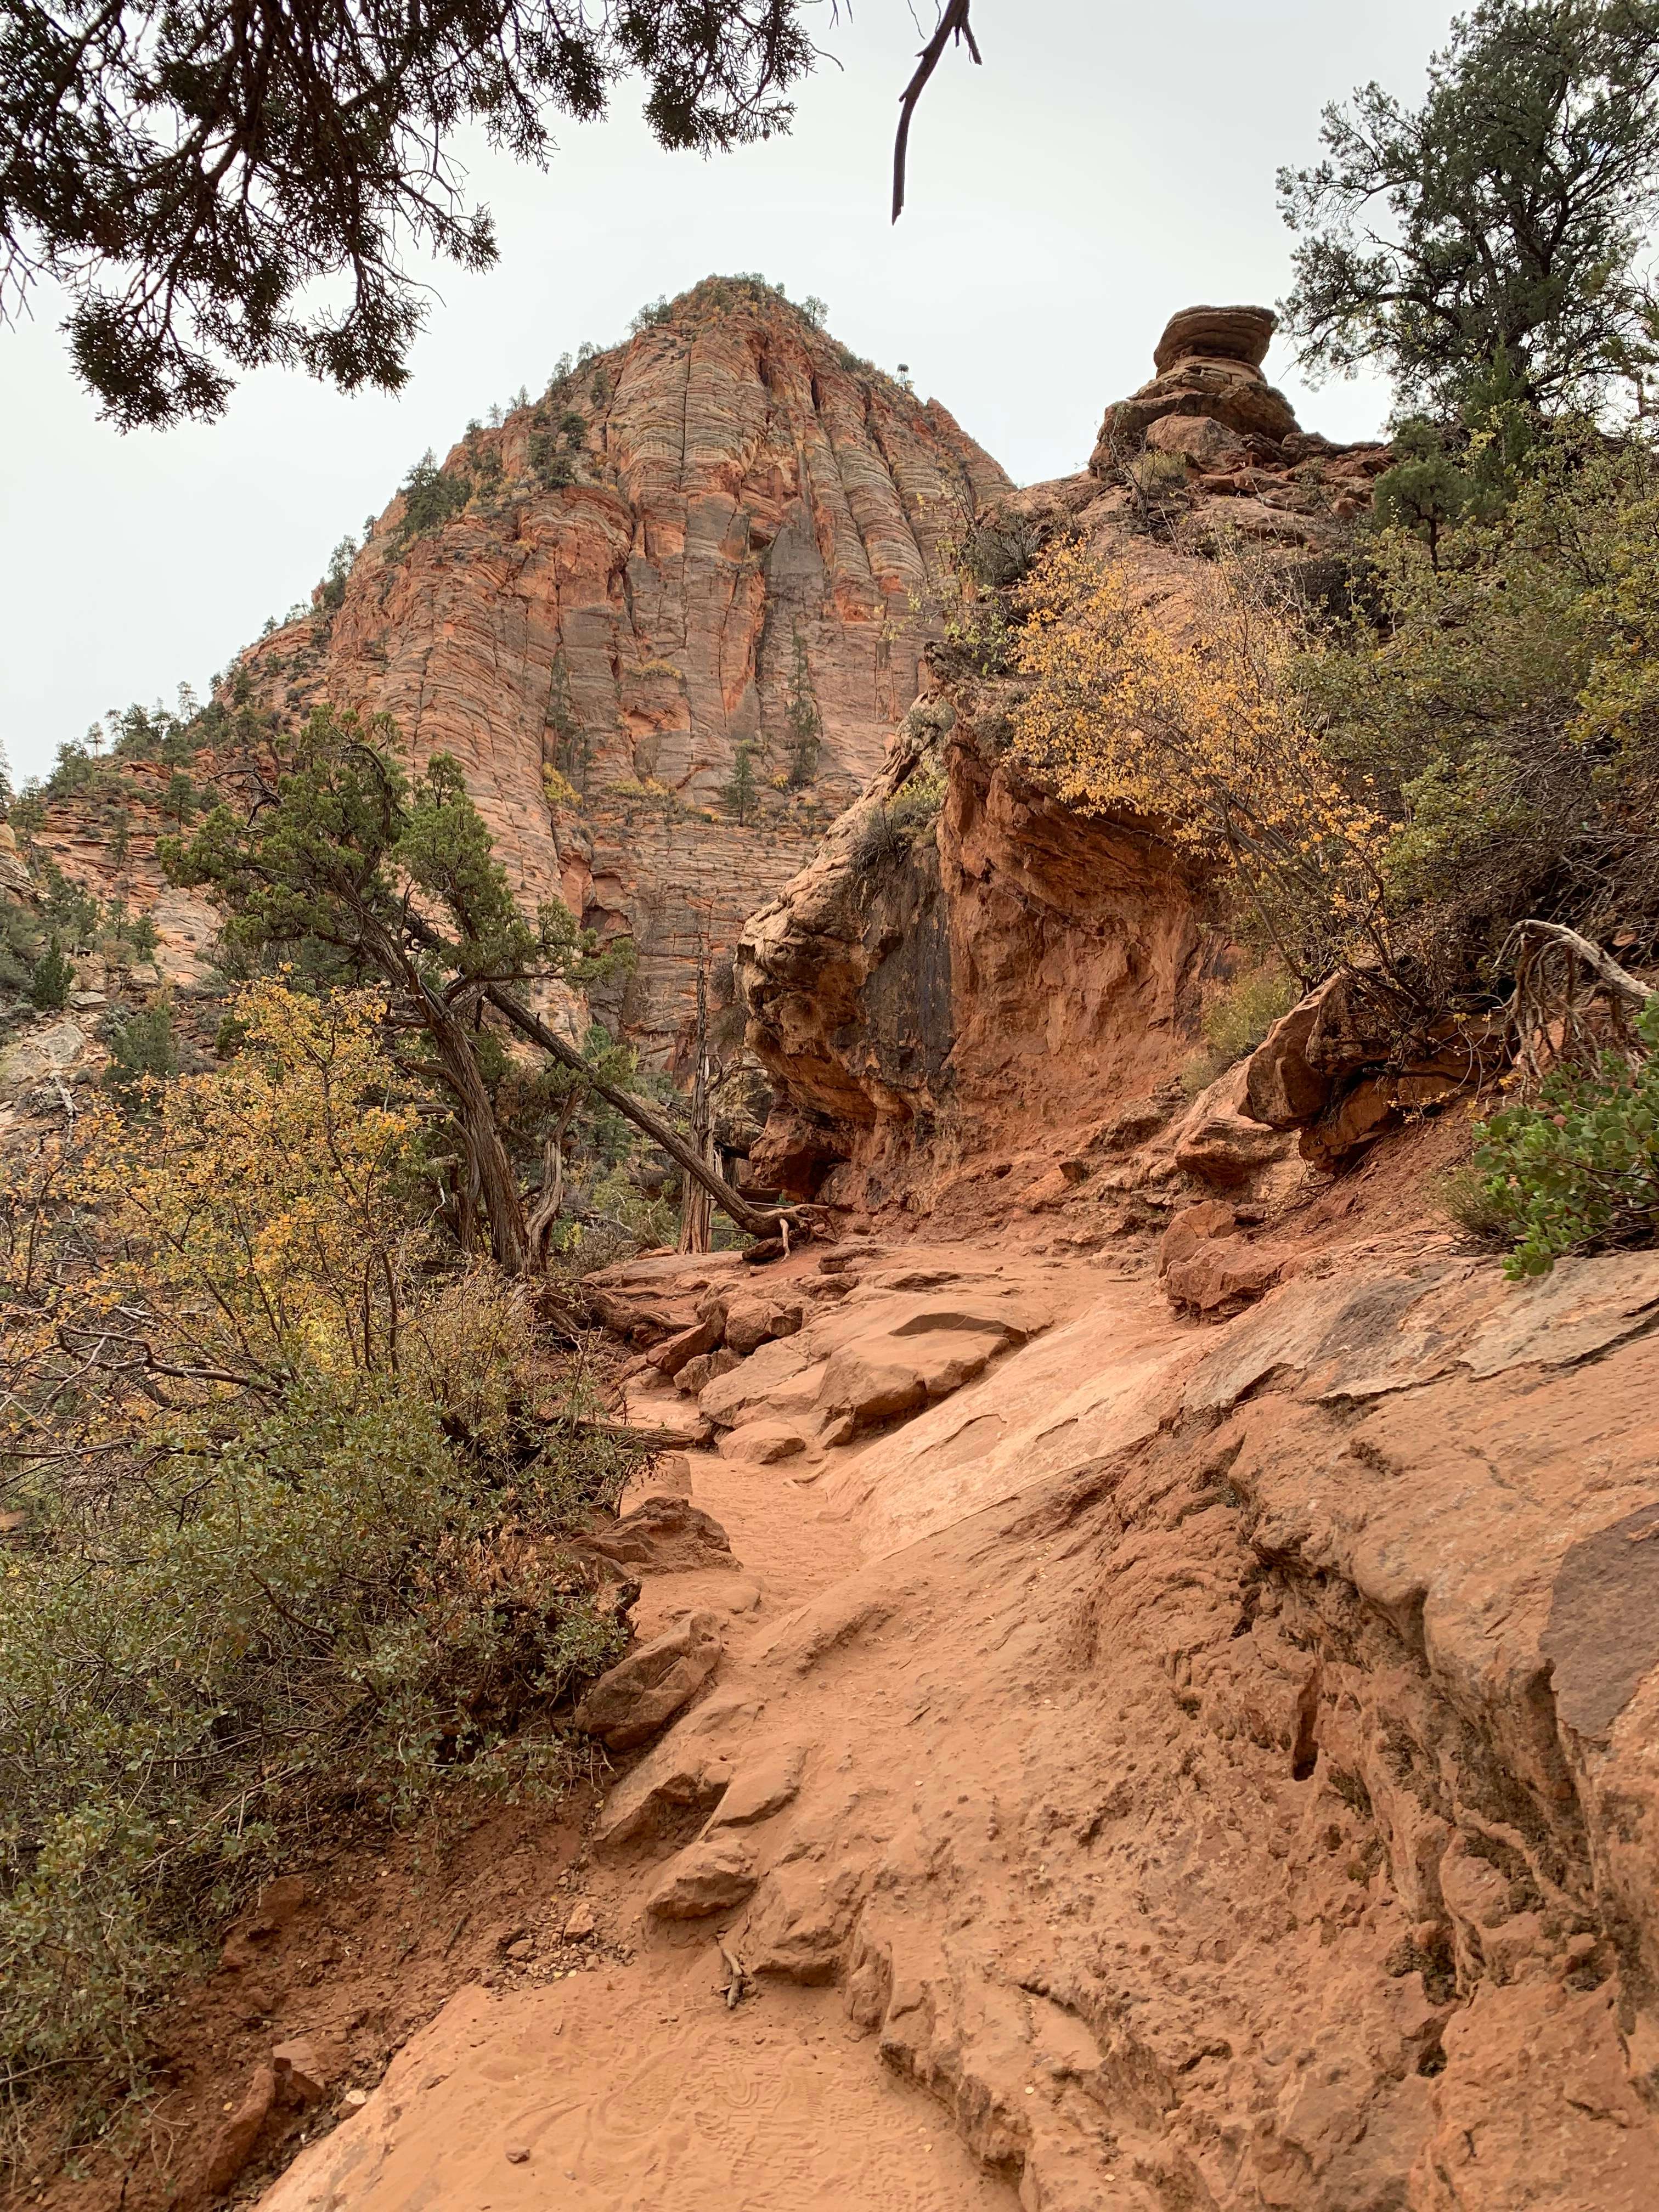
(1201, 736)
(246, 1226)
(294, 1502)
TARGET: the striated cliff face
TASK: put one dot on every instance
(754, 529)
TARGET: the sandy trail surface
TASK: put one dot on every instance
(1124, 1775)
(636, 2089)
(645, 2094)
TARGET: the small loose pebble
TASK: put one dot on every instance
(518, 2156)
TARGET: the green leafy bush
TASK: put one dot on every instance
(553, 464)
(740, 792)
(71, 913)
(1235, 1022)
(296, 1517)
(1578, 1168)
(1242, 1014)
(891, 830)
(998, 549)
(1464, 1195)
(1496, 697)
(19, 946)
(142, 1048)
(803, 718)
(317, 1622)
(331, 592)
(1161, 482)
(1425, 492)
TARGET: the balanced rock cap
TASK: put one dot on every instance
(1215, 333)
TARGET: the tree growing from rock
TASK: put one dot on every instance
(740, 791)
(1499, 228)
(802, 718)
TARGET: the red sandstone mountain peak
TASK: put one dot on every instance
(727, 535)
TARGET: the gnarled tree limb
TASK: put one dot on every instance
(754, 1221)
(952, 24)
(1558, 976)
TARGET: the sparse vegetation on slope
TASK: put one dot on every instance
(291, 1517)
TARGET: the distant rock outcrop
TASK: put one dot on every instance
(923, 1002)
(1209, 367)
(1210, 407)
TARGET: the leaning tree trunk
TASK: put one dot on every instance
(753, 1220)
(695, 1210)
(490, 1181)
(490, 1171)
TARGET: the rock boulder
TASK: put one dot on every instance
(709, 1876)
(646, 1689)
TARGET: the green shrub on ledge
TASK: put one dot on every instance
(1577, 1170)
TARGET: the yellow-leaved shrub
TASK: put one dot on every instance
(296, 1520)
(1201, 738)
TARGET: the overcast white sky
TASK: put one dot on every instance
(1109, 164)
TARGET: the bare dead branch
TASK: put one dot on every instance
(952, 24)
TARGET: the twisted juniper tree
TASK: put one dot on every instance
(338, 860)
(1498, 229)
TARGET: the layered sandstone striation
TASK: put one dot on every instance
(755, 529)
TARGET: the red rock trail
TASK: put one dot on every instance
(1231, 1785)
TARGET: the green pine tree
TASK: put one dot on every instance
(803, 718)
(740, 791)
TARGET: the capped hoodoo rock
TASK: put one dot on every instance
(1215, 334)
(1209, 371)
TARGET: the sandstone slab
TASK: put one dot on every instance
(763, 1444)
(662, 1535)
(1282, 1088)
(687, 1343)
(709, 1876)
(762, 1786)
(1224, 1276)
(695, 1376)
(757, 1320)
(644, 1691)
(1218, 1142)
